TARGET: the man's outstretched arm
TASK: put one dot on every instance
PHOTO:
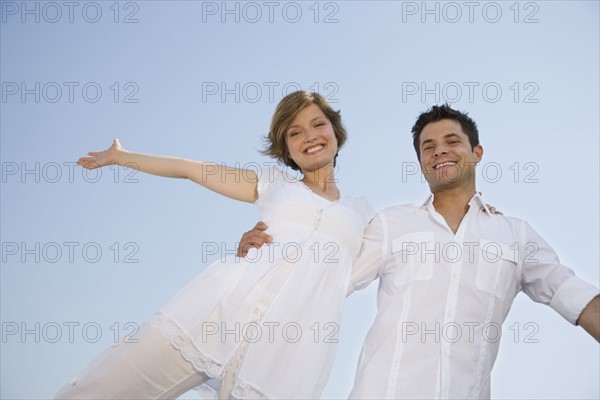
(589, 319)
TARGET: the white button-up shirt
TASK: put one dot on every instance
(443, 297)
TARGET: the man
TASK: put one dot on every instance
(449, 271)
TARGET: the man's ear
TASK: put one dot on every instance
(478, 151)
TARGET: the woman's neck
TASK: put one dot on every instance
(322, 181)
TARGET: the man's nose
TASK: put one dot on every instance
(439, 150)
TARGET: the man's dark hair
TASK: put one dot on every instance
(438, 113)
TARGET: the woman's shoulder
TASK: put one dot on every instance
(271, 180)
(276, 173)
(360, 204)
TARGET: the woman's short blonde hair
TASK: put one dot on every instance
(287, 109)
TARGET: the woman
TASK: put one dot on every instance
(266, 325)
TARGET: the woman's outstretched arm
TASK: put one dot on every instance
(238, 184)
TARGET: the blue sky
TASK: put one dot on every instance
(200, 80)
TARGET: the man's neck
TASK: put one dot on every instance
(453, 204)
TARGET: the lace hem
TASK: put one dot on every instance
(182, 342)
(243, 390)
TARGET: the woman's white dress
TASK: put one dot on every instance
(278, 309)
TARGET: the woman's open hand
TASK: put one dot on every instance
(102, 158)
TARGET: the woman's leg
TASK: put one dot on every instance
(148, 369)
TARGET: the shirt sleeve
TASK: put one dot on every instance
(367, 211)
(546, 280)
(367, 265)
(268, 181)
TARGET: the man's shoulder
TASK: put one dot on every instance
(500, 218)
(503, 218)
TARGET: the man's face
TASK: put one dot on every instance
(447, 160)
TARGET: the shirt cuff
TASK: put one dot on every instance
(571, 298)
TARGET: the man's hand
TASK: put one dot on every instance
(254, 238)
(493, 210)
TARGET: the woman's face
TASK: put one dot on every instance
(311, 140)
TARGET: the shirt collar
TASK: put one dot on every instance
(476, 201)
(426, 203)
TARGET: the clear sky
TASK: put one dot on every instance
(85, 257)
